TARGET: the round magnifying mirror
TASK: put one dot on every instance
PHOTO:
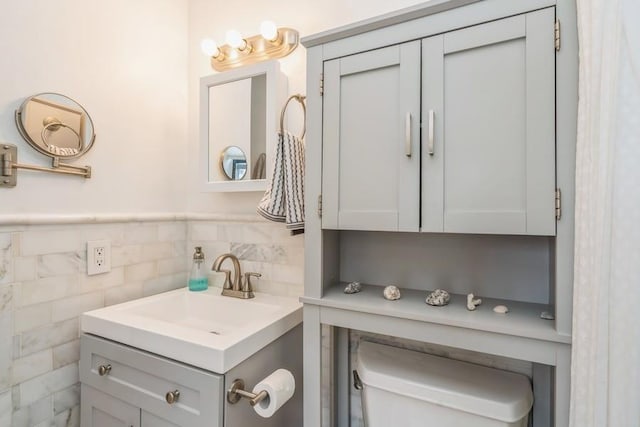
(55, 125)
(233, 162)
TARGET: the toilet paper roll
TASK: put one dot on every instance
(280, 385)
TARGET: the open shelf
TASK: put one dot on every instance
(523, 319)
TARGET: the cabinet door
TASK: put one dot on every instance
(371, 153)
(143, 379)
(101, 410)
(488, 97)
(150, 420)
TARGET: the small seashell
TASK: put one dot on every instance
(438, 298)
(501, 309)
(391, 293)
(353, 288)
(547, 316)
(472, 303)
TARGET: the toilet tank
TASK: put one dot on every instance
(410, 389)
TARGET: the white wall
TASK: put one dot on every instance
(126, 62)
(213, 19)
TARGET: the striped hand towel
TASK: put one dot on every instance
(284, 199)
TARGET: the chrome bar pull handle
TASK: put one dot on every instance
(432, 116)
(407, 135)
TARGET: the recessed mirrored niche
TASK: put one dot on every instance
(238, 129)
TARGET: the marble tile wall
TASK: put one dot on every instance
(44, 288)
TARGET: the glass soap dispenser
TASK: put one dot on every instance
(197, 279)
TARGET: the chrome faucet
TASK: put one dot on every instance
(235, 288)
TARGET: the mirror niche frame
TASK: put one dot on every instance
(276, 92)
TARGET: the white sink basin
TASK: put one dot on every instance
(202, 329)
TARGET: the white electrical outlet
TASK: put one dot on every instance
(98, 257)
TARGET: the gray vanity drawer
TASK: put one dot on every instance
(143, 379)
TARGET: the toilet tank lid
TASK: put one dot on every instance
(488, 392)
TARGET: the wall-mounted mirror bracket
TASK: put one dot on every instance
(9, 166)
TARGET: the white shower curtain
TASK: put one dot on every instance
(605, 377)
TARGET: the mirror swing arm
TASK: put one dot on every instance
(9, 165)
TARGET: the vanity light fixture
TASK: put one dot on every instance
(271, 43)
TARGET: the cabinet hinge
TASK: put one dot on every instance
(357, 382)
(557, 34)
(321, 84)
(320, 205)
(558, 204)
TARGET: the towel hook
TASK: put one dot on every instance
(300, 98)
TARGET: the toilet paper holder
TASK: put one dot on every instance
(237, 392)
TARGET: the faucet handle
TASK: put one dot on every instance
(247, 281)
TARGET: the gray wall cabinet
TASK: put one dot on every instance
(437, 137)
(487, 115)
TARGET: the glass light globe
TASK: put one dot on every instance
(268, 30)
(235, 40)
(209, 47)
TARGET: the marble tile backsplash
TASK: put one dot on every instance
(44, 288)
(261, 247)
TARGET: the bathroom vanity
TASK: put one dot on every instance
(122, 385)
(169, 359)
(440, 154)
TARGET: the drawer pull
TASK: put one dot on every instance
(104, 370)
(172, 397)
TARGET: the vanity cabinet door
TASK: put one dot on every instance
(371, 153)
(101, 410)
(144, 380)
(488, 97)
(151, 420)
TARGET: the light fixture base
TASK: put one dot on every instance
(261, 50)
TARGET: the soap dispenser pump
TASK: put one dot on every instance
(197, 279)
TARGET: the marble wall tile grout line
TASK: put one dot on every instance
(23, 221)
